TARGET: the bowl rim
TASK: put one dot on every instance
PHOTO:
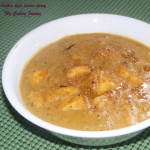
(61, 130)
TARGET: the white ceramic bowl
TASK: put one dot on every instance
(52, 31)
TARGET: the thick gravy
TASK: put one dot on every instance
(89, 82)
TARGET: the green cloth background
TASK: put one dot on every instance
(16, 133)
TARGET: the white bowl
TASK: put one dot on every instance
(52, 31)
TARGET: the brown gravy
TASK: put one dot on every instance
(89, 82)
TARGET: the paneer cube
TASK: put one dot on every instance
(73, 103)
(100, 82)
(105, 84)
(36, 98)
(38, 76)
(60, 93)
(128, 76)
(78, 71)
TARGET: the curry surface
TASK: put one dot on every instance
(123, 99)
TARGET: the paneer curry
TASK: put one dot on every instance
(90, 82)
